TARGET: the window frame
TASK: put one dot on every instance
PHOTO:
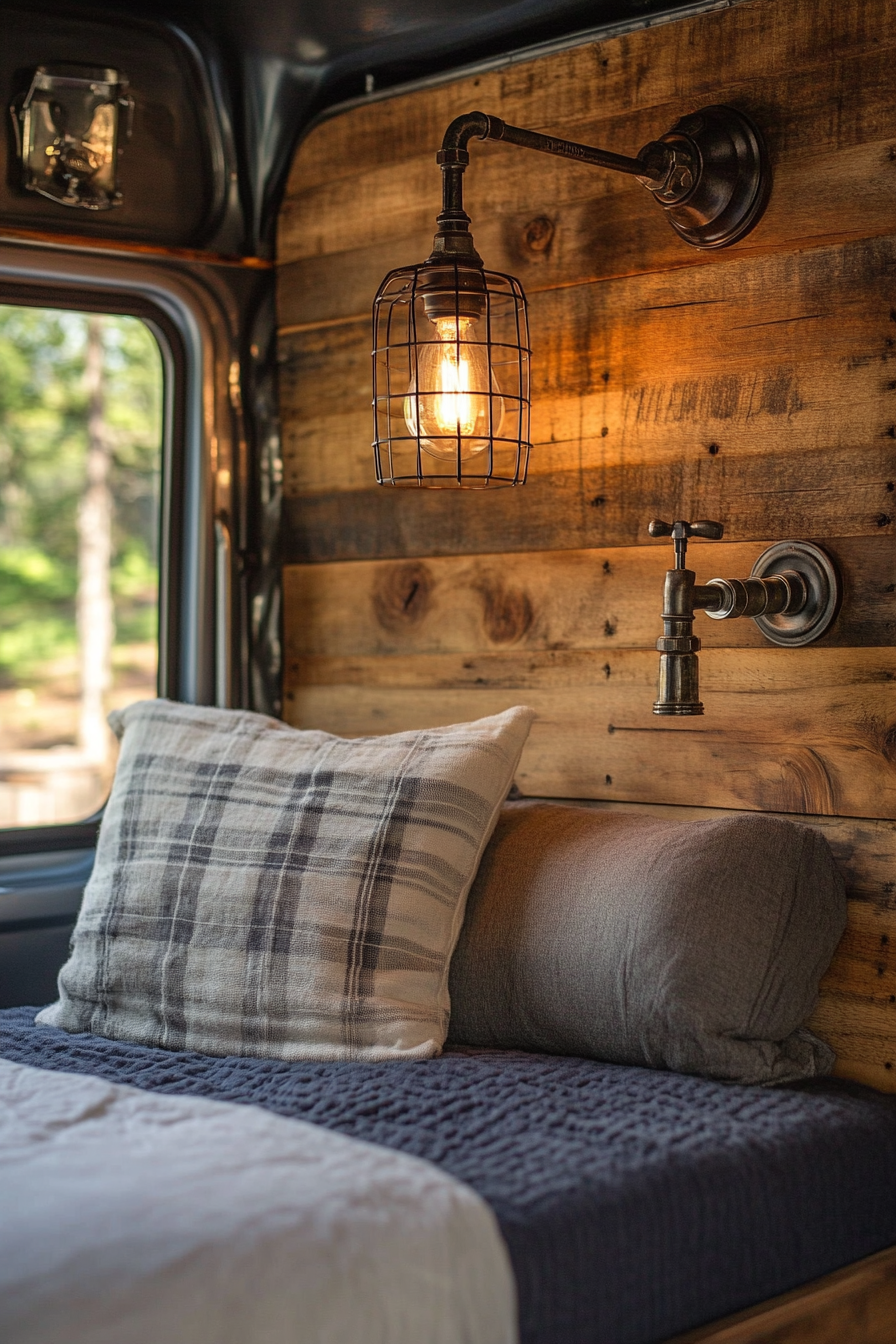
(190, 320)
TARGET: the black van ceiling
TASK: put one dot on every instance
(223, 89)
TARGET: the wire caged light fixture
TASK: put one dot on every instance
(451, 376)
(451, 357)
(451, 339)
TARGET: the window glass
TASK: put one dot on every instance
(80, 454)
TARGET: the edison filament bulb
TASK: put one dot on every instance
(453, 404)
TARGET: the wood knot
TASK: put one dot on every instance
(888, 747)
(401, 597)
(507, 614)
(537, 237)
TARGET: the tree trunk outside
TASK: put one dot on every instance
(94, 609)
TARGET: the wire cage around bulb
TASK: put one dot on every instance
(450, 378)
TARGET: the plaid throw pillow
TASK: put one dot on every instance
(264, 891)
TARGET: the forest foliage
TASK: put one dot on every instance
(43, 442)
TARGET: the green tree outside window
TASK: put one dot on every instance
(80, 435)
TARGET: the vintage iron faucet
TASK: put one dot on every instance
(792, 594)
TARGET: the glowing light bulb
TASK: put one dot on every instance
(448, 400)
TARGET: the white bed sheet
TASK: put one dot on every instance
(127, 1217)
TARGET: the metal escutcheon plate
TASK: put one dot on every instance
(823, 586)
(734, 182)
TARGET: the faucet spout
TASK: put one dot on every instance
(679, 680)
(793, 595)
(679, 684)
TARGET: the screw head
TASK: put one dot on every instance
(681, 180)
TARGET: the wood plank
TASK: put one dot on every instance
(843, 493)
(766, 41)
(854, 1305)
(542, 600)
(856, 1012)
(861, 1034)
(327, 440)
(795, 730)
(604, 225)
(758, 358)
(601, 229)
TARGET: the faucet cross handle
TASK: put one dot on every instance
(680, 531)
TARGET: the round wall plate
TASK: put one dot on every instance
(732, 186)
(822, 586)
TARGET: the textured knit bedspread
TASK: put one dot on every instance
(635, 1203)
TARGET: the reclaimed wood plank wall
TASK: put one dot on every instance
(756, 385)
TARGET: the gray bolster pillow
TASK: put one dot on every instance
(695, 946)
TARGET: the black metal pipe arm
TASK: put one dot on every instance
(454, 155)
(568, 149)
(481, 126)
(652, 165)
(709, 173)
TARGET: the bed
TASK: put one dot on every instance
(631, 1132)
(635, 1203)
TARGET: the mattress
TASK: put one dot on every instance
(635, 1203)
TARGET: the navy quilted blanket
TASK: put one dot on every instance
(635, 1203)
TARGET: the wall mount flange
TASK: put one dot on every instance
(727, 188)
(822, 602)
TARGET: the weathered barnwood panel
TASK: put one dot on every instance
(620, 94)
(752, 42)
(786, 730)
(659, 368)
(552, 600)
(754, 385)
(808, 494)
(597, 230)
(607, 233)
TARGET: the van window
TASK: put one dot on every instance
(80, 454)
